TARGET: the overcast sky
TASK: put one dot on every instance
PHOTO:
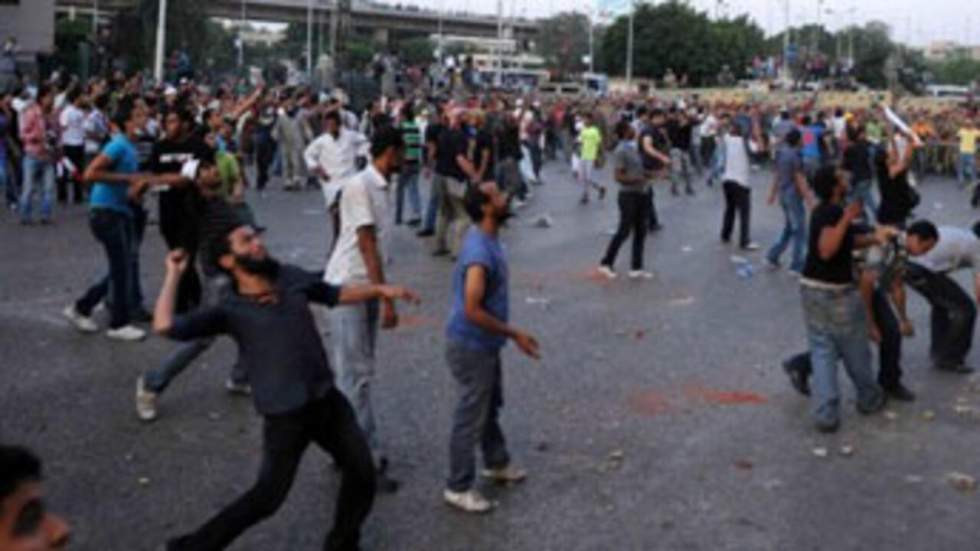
(913, 21)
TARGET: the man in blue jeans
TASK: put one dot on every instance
(115, 180)
(837, 317)
(38, 132)
(790, 187)
(477, 330)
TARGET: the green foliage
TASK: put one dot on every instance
(70, 39)
(960, 69)
(675, 36)
(416, 50)
(563, 40)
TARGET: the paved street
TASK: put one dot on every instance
(658, 418)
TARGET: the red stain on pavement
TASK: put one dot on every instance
(592, 275)
(651, 403)
(724, 397)
(411, 322)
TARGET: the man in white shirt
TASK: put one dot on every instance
(935, 255)
(72, 123)
(332, 157)
(359, 257)
(736, 181)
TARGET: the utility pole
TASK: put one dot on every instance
(309, 39)
(161, 37)
(95, 18)
(629, 47)
(786, 40)
(591, 23)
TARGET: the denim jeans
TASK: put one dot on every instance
(794, 231)
(680, 169)
(408, 182)
(215, 289)
(837, 330)
(38, 174)
(436, 189)
(633, 217)
(966, 168)
(479, 381)
(328, 422)
(953, 316)
(862, 191)
(8, 183)
(115, 231)
(353, 337)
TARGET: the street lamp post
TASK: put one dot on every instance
(629, 48)
(161, 36)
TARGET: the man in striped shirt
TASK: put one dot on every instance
(408, 180)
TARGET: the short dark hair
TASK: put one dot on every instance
(656, 112)
(793, 138)
(473, 201)
(17, 465)
(976, 229)
(332, 116)
(623, 129)
(123, 112)
(825, 182)
(925, 230)
(385, 138)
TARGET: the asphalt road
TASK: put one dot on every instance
(658, 418)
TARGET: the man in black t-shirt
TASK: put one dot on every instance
(180, 205)
(836, 316)
(655, 153)
(679, 132)
(431, 138)
(455, 170)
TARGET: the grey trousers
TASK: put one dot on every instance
(453, 221)
(157, 380)
(353, 335)
(476, 419)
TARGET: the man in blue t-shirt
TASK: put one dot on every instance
(476, 332)
(115, 179)
(813, 134)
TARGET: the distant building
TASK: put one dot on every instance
(31, 22)
(253, 35)
(941, 50)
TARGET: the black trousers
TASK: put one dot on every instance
(76, 154)
(889, 349)
(654, 220)
(737, 199)
(953, 314)
(330, 423)
(179, 228)
(633, 215)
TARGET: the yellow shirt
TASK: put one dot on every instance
(968, 140)
(591, 138)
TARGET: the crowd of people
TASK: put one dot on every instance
(121, 145)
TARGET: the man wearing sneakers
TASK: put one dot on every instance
(737, 184)
(633, 203)
(114, 179)
(216, 213)
(589, 157)
(477, 330)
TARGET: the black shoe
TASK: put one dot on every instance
(899, 392)
(865, 410)
(828, 428)
(960, 368)
(426, 233)
(689, 191)
(797, 378)
(602, 193)
(440, 252)
(387, 485)
(140, 315)
(414, 222)
(656, 227)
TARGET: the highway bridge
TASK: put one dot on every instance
(374, 19)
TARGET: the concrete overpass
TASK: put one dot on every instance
(379, 21)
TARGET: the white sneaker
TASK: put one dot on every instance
(84, 324)
(469, 501)
(241, 389)
(606, 271)
(752, 247)
(146, 402)
(506, 475)
(126, 333)
(640, 274)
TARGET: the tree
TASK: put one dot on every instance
(417, 50)
(563, 41)
(675, 36)
(960, 69)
